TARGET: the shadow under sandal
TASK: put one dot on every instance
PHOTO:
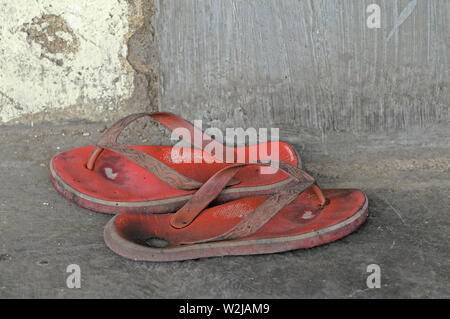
(299, 216)
(113, 178)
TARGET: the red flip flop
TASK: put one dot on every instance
(299, 216)
(111, 178)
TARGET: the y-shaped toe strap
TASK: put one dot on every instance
(169, 120)
(164, 172)
(257, 218)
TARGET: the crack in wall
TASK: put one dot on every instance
(142, 55)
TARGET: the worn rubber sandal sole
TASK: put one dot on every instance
(298, 225)
(117, 184)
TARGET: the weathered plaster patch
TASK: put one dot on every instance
(53, 33)
(63, 54)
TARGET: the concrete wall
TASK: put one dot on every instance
(290, 63)
(306, 63)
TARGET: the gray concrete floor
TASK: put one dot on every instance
(406, 177)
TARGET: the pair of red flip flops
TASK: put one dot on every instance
(166, 210)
